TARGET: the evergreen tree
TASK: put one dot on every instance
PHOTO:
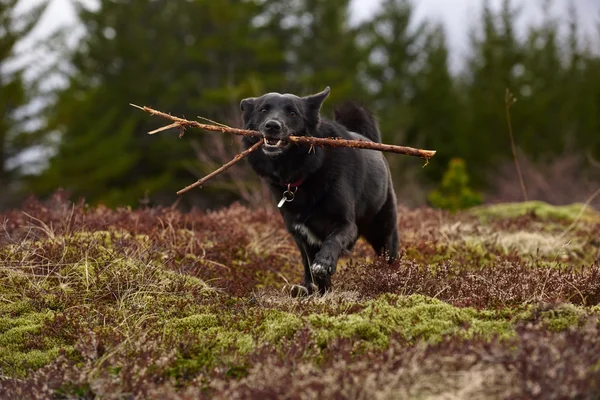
(543, 109)
(14, 91)
(496, 56)
(393, 47)
(188, 58)
(582, 93)
(320, 47)
(436, 106)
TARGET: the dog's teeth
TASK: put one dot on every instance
(272, 143)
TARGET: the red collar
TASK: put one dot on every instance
(295, 184)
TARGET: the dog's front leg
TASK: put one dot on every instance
(308, 253)
(325, 262)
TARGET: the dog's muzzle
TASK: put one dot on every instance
(274, 137)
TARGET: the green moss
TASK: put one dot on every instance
(12, 329)
(327, 328)
(278, 325)
(23, 345)
(563, 316)
(540, 209)
(123, 285)
(270, 326)
(211, 332)
(243, 343)
(471, 250)
(70, 390)
(14, 309)
(195, 322)
(19, 363)
(105, 238)
(413, 318)
(226, 339)
(209, 347)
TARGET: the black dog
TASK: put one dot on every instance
(329, 196)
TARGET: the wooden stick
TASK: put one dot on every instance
(216, 172)
(311, 141)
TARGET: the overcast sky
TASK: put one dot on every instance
(456, 15)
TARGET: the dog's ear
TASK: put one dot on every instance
(314, 102)
(247, 108)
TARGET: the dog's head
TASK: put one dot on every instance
(279, 116)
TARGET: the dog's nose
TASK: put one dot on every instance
(272, 126)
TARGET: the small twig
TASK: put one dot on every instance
(509, 100)
(306, 140)
(235, 160)
(595, 163)
(164, 128)
(579, 215)
(212, 122)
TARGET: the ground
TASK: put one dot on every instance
(496, 302)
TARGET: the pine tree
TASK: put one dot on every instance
(436, 106)
(543, 109)
(582, 93)
(496, 55)
(321, 49)
(14, 91)
(392, 48)
(188, 58)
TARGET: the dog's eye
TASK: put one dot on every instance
(263, 110)
(293, 113)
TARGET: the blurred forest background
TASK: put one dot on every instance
(201, 57)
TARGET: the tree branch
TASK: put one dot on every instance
(306, 140)
(181, 124)
(216, 172)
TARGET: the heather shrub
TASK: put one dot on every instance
(494, 302)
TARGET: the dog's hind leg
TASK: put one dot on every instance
(382, 234)
(392, 246)
(384, 243)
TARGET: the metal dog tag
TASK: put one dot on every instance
(288, 196)
(281, 202)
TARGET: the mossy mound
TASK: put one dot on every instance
(24, 345)
(538, 209)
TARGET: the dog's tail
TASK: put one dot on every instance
(357, 119)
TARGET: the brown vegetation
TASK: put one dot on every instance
(153, 303)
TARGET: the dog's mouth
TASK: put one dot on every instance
(275, 146)
(273, 142)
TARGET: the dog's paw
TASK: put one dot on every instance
(323, 266)
(320, 270)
